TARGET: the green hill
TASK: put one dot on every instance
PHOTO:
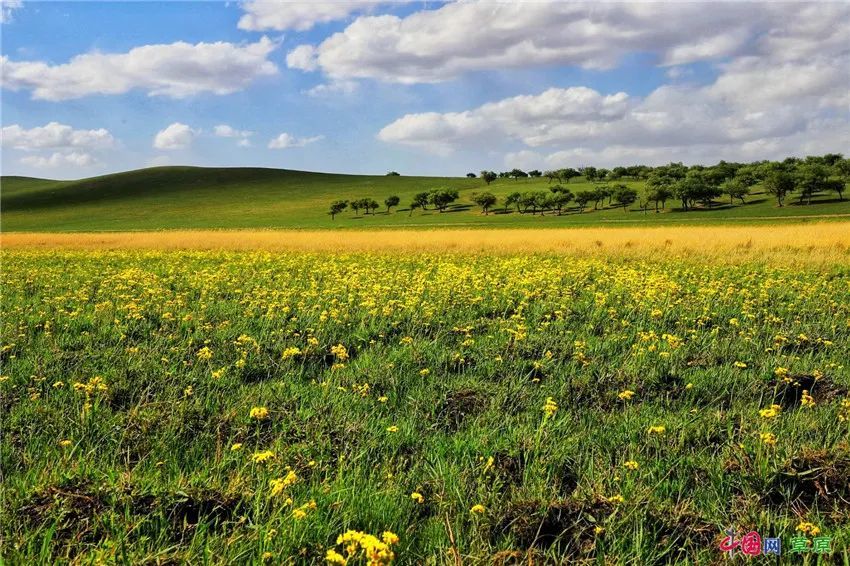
(197, 197)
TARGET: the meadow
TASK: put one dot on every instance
(197, 198)
(574, 403)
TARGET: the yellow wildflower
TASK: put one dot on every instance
(417, 497)
(259, 413)
(477, 509)
(260, 457)
(626, 395)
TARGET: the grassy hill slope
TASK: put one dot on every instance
(196, 197)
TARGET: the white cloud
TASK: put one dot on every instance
(175, 136)
(300, 16)
(176, 70)
(332, 88)
(57, 159)
(534, 119)
(7, 7)
(285, 141)
(225, 131)
(55, 136)
(440, 44)
(754, 109)
(302, 57)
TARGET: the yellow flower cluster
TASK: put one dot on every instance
(550, 407)
(357, 544)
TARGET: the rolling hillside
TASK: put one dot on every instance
(195, 197)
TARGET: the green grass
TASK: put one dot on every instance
(127, 378)
(190, 197)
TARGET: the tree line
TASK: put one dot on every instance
(690, 185)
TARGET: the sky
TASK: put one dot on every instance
(436, 88)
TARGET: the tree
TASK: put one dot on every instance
(561, 199)
(413, 206)
(513, 199)
(778, 184)
(551, 175)
(590, 173)
(566, 174)
(517, 173)
(488, 176)
(624, 196)
(534, 173)
(356, 205)
(421, 200)
(582, 198)
(485, 201)
(470, 175)
(393, 174)
(736, 188)
(842, 169)
(370, 204)
(337, 206)
(658, 194)
(442, 198)
(811, 178)
(391, 202)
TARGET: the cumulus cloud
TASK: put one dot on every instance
(55, 136)
(761, 104)
(176, 70)
(225, 131)
(285, 141)
(7, 7)
(175, 136)
(58, 159)
(438, 45)
(300, 16)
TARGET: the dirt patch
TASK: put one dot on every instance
(457, 406)
(566, 525)
(812, 477)
(789, 393)
(73, 506)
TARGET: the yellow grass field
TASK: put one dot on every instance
(827, 242)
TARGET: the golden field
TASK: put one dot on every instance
(810, 243)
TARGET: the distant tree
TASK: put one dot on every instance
(624, 196)
(552, 175)
(560, 199)
(513, 199)
(504, 174)
(391, 202)
(836, 185)
(736, 188)
(393, 174)
(534, 173)
(356, 205)
(589, 173)
(413, 206)
(660, 193)
(488, 176)
(778, 184)
(470, 175)
(421, 200)
(584, 197)
(842, 169)
(517, 173)
(830, 159)
(485, 201)
(599, 195)
(337, 206)
(370, 204)
(811, 178)
(442, 198)
(566, 174)
(696, 187)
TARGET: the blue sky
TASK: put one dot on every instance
(422, 88)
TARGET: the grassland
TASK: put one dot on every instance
(202, 198)
(569, 404)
